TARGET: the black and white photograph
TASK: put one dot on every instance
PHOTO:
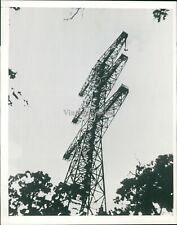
(91, 113)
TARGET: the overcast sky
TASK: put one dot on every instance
(53, 58)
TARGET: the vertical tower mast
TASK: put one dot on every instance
(84, 181)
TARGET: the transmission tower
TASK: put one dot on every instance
(84, 185)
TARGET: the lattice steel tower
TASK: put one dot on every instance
(84, 182)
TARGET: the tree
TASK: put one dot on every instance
(34, 194)
(148, 191)
(160, 14)
(17, 95)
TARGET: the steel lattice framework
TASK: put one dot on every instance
(85, 177)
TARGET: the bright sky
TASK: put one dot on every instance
(53, 58)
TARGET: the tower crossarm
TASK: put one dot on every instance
(112, 106)
(76, 141)
(107, 82)
(117, 97)
(104, 63)
(70, 151)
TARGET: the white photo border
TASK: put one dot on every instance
(6, 220)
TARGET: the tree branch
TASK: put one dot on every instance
(73, 15)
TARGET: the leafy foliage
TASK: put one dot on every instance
(34, 194)
(160, 14)
(17, 95)
(12, 74)
(148, 191)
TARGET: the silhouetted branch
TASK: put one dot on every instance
(15, 8)
(9, 101)
(15, 95)
(73, 15)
